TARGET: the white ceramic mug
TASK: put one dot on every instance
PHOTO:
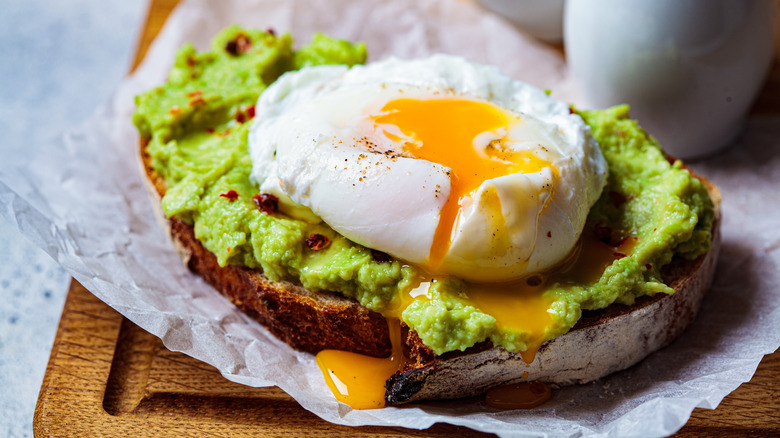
(690, 69)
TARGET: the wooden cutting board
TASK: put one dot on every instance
(106, 377)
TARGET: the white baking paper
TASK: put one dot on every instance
(83, 201)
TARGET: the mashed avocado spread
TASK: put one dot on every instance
(197, 125)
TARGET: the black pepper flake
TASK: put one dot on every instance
(238, 45)
(232, 48)
(231, 195)
(317, 242)
(380, 256)
(534, 280)
(603, 234)
(266, 202)
(648, 266)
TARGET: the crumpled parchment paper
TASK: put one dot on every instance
(83, 200)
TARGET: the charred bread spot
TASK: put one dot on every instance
(402, 387)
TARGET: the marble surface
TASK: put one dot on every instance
(60, 60)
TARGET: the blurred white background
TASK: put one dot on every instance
(58, 61)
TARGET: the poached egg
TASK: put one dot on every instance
(442, 163)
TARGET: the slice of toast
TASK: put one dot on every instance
(601, 343)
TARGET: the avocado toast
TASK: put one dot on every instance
(316, 318)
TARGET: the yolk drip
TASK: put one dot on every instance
(594, 256)
(524, 395)
(419, 292)
(518, 306)
(522, 306)
(445, 131)
(358, 380)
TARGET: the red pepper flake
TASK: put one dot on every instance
(174, 110)
(380, 256)
(549, 234)
(191, 61)
(196, 93)
(620, 255)
(655, 229)
(239, 45)
(197, 100)
(266, 202)
(271, 31)
(571, 109)
(210, 130)
(648, 266)
(248, 114)
(317, 242)
(231, 195)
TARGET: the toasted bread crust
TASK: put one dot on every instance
(601, 343)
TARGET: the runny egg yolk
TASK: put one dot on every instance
(358, 380)
(457, 133)
(519, 306)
